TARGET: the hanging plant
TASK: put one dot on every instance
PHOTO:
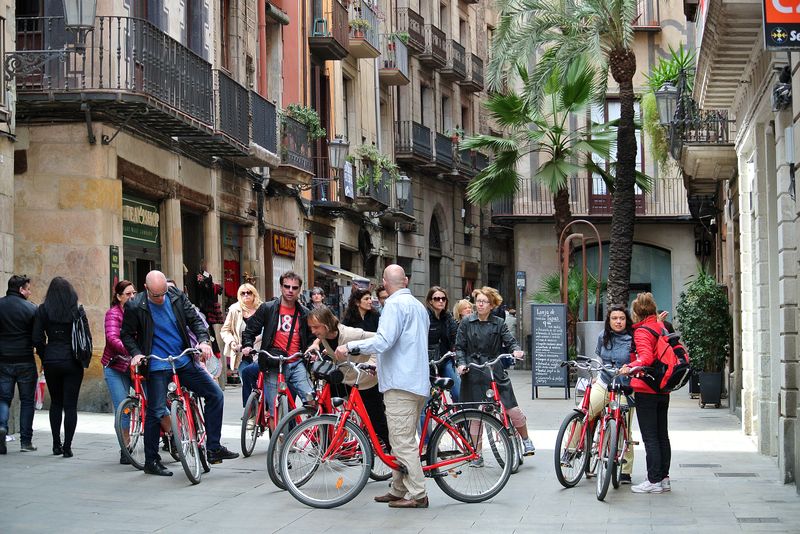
(403, 37)
(372, 165)
(308, 117)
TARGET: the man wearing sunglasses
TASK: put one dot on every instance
(284, 327)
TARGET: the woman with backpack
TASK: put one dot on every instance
(651, 407)
(52, 337)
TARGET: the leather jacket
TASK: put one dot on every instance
(16, 328)
(265, 320)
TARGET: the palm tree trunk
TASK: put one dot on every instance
(561, 211)
(623, 67)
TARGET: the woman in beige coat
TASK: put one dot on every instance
(235, 323)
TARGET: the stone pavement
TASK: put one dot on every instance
(720, 484)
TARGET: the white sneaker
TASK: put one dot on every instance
(527, 447)
(647, 487)
(665, 485)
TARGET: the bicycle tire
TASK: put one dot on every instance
(519, 456)
(283, 409)
(250, 435)
(616, 472)
(134, 449)
(277, 440)
(570, 464)
(185, 443)
(200, 427)
(483, 481)
(606, 461)
(593, 447)
(319, 482)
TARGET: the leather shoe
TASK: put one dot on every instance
(57, 449)
(157, 468)
(216, 457)
(388, 498)
(410, 503)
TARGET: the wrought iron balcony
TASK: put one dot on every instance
(481, 161)
(647, 16)
(443, 157)
(456, 67)
(372, 194)
(265, 123)
(466, 163)
(394, 62)
(703, 145)
(329, 193)
(329, 30)
(435, 54)
(412, 142)
(233, 109)
(411, 22)
(364, 38)
(474, 81)
(297, 165)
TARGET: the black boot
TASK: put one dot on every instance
(67, 448)
(156, 468)
(57, 449)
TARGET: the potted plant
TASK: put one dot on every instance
(704, 321)
(359, 26)
(403, 37)
(306, 116)
(455, 134)
(373, 163)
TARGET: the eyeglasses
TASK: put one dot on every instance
(157, 295)
(293, 288)
(481, 302)
(246, 293)
(439, 299)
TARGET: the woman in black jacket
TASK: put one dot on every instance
(52, 337)
(442, 335)
(359, 312)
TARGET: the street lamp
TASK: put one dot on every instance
(403, 190)
(337, 149)
(667, 100)
(79, 18)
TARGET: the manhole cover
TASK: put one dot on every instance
(758, 520)
(700, 465)
(735, 475)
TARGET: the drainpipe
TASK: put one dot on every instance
(377, 105)
(262, 48)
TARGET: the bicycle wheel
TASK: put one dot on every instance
(200, 428)
(283, 409)
(321, 475)
(593, 448)
(516, 442)
(605, 465)
(471, 478)
(134, 449)
(277, 440)
(185, 443)
(250, 427)
(570, 457)
(379, 471)
(619, 453)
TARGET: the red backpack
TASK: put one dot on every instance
(671, 369)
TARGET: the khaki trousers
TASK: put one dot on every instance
(402, 414)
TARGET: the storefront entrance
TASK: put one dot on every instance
(141, 239)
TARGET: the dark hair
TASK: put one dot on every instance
(431, 291)
(607, 331)
(119, 289)
(351, 313)
(316, 290)
(291, 275)
(17, 282)
(324, 316)
(378, 291)
(60, 301)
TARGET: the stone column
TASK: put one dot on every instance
(172, 242)
(749, 379)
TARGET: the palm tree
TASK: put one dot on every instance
(558, 31)
(543, 130)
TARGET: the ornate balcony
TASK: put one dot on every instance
(364, 38)
(443, 155)
(233, 109)
(704, 148)
(474, 81)
(297, 165)
(411, 22)
(372, 194)
(265, 123)
(329, 31)
(456, 68)
(466, 163)
(435, 54)
(412, 143)
(648, 17)
(393, 65)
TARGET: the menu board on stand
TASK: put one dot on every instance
(549, 347)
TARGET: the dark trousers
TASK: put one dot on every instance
(24, 375)
(64, 380)
(651, 411)
(194, 379)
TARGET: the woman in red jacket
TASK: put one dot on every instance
(651, 407)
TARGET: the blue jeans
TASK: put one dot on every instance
(119, 386)
(24, 375)
(296, 378)
(196, 380)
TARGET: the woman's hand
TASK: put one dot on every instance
(518, 354)
(663, 315)
(136, 360)
(625, 370)
(462, 369)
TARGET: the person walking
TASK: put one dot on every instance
(442, 335)
(239, 315)
(652, 408)
(52, 337)
(401, 344)
(155, 322)
(17, 364)
(359, 312)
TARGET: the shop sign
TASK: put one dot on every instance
(140, 221)
(469, 270)
(284, 244)
(781, 24)
(522, 280)
(347, 176)
(113, 256)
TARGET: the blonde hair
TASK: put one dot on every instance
(644, 305)
(459, 307)
(256, 296)
(490, 293)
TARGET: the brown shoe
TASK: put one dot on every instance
(388, 498)
(410, 503)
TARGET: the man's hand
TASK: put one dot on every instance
(136, 360)
(518, 354)
(246, 351)
(206, 350)
(341, 352)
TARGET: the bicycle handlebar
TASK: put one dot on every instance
(491, 362)
(190, 350)
(447, 355)
(280, 357)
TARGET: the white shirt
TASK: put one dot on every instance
(401, 344)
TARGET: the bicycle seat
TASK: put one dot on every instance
(337, 401)
(444, 383)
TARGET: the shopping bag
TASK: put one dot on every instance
(38, 397)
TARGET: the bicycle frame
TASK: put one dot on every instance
(613, 412)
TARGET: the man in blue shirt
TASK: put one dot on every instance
(156, 322)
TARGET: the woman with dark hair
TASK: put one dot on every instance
(52, 337)
(116, 360)
(359, 312)
(442, 335)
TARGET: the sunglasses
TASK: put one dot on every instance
(439, 299)
(156, 295)
(293, 288)
(246, 293)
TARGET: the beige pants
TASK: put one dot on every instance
(598, 399)
(402, 415)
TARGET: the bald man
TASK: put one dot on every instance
(403, 380)
(156, 322)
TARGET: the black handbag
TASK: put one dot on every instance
(328, 371)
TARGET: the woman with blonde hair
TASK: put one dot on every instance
(248, 301)
(462, 310)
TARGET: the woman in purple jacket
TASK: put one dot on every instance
(116, 360)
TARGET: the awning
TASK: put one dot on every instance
(277, 14)
(336, 272)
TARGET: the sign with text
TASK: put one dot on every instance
(548, 345)
(522, 280)
(781, 24)
(284, 244)
(113, 266)
(140, 221)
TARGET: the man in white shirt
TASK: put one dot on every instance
(403, 380)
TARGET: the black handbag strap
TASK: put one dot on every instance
(291, 331)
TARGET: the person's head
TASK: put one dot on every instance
(486, 299)
(644, 305)
(382, 294)
(462, 309)
(323, 323)
(317, 295)
(156, 285)
(436, 301)
(61, 300)
(617, 322)
(123, 292)
(20, 283)
(394, 278)
(248, 296)
(291, 284)
(359, 304)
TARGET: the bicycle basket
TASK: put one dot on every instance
(328, 371)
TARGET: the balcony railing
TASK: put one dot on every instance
(413, 141)
(329, 30)
(364, 41)
(373, 195)
(265, 123)
(456, 68)
(296, 149)
(444, 151)
(708, 126)
(474, 81)
(233, 112)
(588, 197)
(393, 62)
(435, 54)
(412, 22)
(647, 16)
(481, 161)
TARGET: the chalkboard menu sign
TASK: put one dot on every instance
(548, 345)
